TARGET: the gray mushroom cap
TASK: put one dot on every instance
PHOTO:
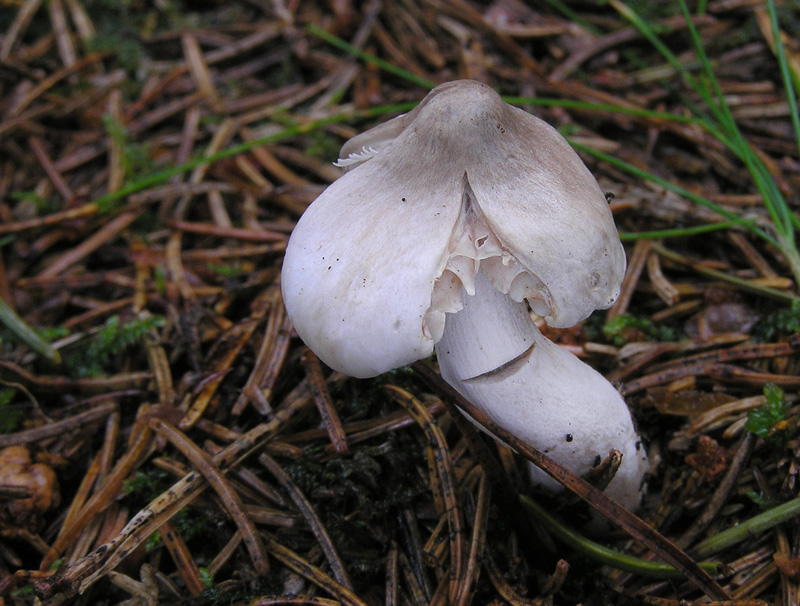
(462, 184)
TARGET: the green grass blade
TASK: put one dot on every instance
(642, 174)
(109, 202)
(678, 232)
(26, 334)
(773, 199)
(790, 84)
(680, 68)
(601, 553)
(572, 16)
(748, 529)
(720, 123)
(648, 32)
(602, 108)
(320, 33)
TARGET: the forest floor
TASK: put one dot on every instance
(165, 437)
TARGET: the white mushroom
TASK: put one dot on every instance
(463, 195)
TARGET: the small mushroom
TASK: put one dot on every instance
(464, 204)
(37, 480)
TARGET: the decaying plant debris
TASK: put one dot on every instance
(165, 438)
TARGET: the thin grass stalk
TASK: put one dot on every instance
(26, 334)
(773, 199)
(677, 232)
(320, 33)
(602, 108)
(789, 83)
(668, 185)
(111, 201)
(601, 553)
(723, 126)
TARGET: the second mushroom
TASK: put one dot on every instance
(449, 223)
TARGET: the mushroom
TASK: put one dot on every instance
(17, 470)
(446, 222)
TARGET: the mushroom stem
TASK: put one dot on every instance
(495, 356)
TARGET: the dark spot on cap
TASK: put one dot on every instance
(569, 437)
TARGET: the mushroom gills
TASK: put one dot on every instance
(356, 158)
(474, 248)
(493, 353)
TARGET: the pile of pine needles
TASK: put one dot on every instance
(164, 436)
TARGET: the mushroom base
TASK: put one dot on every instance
(495, 356)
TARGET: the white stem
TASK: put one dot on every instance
(495, 356)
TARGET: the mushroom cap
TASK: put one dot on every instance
(463, 183)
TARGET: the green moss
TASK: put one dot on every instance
(759, 499)
(206, 577)
(136, 159)
(768, 421)
(654, 11)
(33, 201)
(146, 485)
(627, 327)
(227, 271)
(358, 482)
(10, 413)
(234, 593)
(783, 322)
(93, 357)
(145, 224)
(126, 50)
(323, 145)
